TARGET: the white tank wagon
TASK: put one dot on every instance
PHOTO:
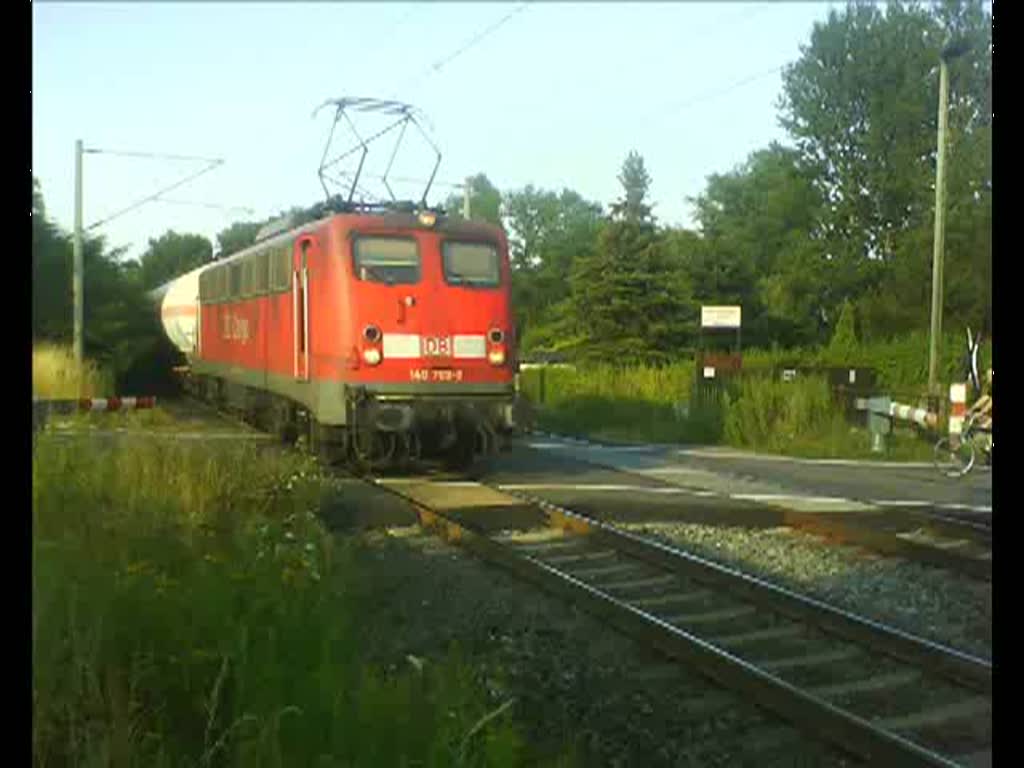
(178, 303)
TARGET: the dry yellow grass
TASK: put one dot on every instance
(56, 375)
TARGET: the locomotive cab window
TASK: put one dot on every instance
(391, 260)
(471, 264)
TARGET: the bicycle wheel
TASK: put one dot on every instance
(954, 461)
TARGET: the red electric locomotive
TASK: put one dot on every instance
(391, 332)
(385, 330)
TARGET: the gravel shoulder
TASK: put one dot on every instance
(937, 604)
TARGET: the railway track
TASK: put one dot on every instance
(875, 692)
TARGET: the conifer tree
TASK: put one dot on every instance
(625, 295)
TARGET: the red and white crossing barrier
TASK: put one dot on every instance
(921, 416)
(115, 403)
(958, 408)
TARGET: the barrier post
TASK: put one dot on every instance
(879, 424)
(957, 411)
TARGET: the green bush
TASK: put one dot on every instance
(666, 384)
(766, 413)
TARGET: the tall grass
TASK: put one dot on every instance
(57, 375)
(665, 385)
(188, 609)
(767, 414)
(757, 412)
(628, 403)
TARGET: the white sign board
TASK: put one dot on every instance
(720, 317)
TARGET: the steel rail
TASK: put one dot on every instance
(955, 665)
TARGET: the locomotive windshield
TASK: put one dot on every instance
(472, 264)
(390, 260)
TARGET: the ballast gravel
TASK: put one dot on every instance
(574, 681)
(940, 605)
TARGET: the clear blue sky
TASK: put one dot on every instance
(555, 97)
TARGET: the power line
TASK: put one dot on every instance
(150, 198)
(442, 62)
(438, 64)
(151, 155)
(408, 180)
(710, 31)
(716, 93)
(198, 204)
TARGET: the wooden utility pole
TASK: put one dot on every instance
(465, 198)
(951, 51)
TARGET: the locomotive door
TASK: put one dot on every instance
(300, 305)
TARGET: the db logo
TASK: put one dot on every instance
(437, 346)
(235, 328)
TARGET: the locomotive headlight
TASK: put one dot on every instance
(371, 356)
(496, 356)
(427, 218)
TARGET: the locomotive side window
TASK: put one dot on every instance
(235, 281)
(471, 264)
(221, 284)
(390, 260)
(247, 277)
(213, 285)
(259, 273)
(280, 269)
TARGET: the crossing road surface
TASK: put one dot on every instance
(801, 483)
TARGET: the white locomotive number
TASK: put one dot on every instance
(435, 374)
(436, 346)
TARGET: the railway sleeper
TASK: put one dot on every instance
(805, 661)
(867, 685)
(672, 598)
(580, 557)
(606, 570)
(957, 710)
(742, 639)
(634, 584)
(711, 617)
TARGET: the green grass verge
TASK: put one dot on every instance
(57, 375)
(797, 418)
(189, 609)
